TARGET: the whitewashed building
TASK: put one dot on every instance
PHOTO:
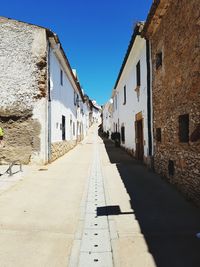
(85, 119)
(42, 105)
(96, 112)
(132, 99)
(107, 117)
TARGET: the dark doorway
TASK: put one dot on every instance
(123, 134)
(139, 139)
(63, 127)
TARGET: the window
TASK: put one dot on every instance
(184, 128)
(77, 100)
(158, 134)
(158, 60)
(63, 127)
(123, 134)
(124, 95)
(138, 78)
(171, 169)
(61, 77)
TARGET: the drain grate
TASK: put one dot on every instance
(95, 244)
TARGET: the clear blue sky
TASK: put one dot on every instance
(94, 34)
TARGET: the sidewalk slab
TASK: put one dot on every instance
(96, 259)
(155, 225)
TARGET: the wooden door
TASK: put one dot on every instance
(139, 139)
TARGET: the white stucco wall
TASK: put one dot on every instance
(125, 113)
(85, 118)
(107, 118)
(62, 101)
(96, 113)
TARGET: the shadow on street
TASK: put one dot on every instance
(168, 222)
(110, 210)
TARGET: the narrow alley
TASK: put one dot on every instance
(96, 206)
(100, 134)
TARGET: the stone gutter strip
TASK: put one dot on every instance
(92, 246)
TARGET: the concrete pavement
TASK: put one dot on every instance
(40, 212)
(153, 224)
(47, 216)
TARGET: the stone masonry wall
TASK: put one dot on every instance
(58, 149)
(23, 86)
(176, 92)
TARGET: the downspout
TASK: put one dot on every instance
(49, 106)
(149, 104)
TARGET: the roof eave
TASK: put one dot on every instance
(56, 38)
(136, 32)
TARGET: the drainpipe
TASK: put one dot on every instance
(49, 106)
(149, 104)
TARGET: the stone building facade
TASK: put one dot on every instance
(23, 90)
(173, 28)
(38, 94)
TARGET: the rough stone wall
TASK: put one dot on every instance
(21, 139)
(176, 92)
(58, 149)
(23, 87)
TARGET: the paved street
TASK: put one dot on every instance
(96, 206)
